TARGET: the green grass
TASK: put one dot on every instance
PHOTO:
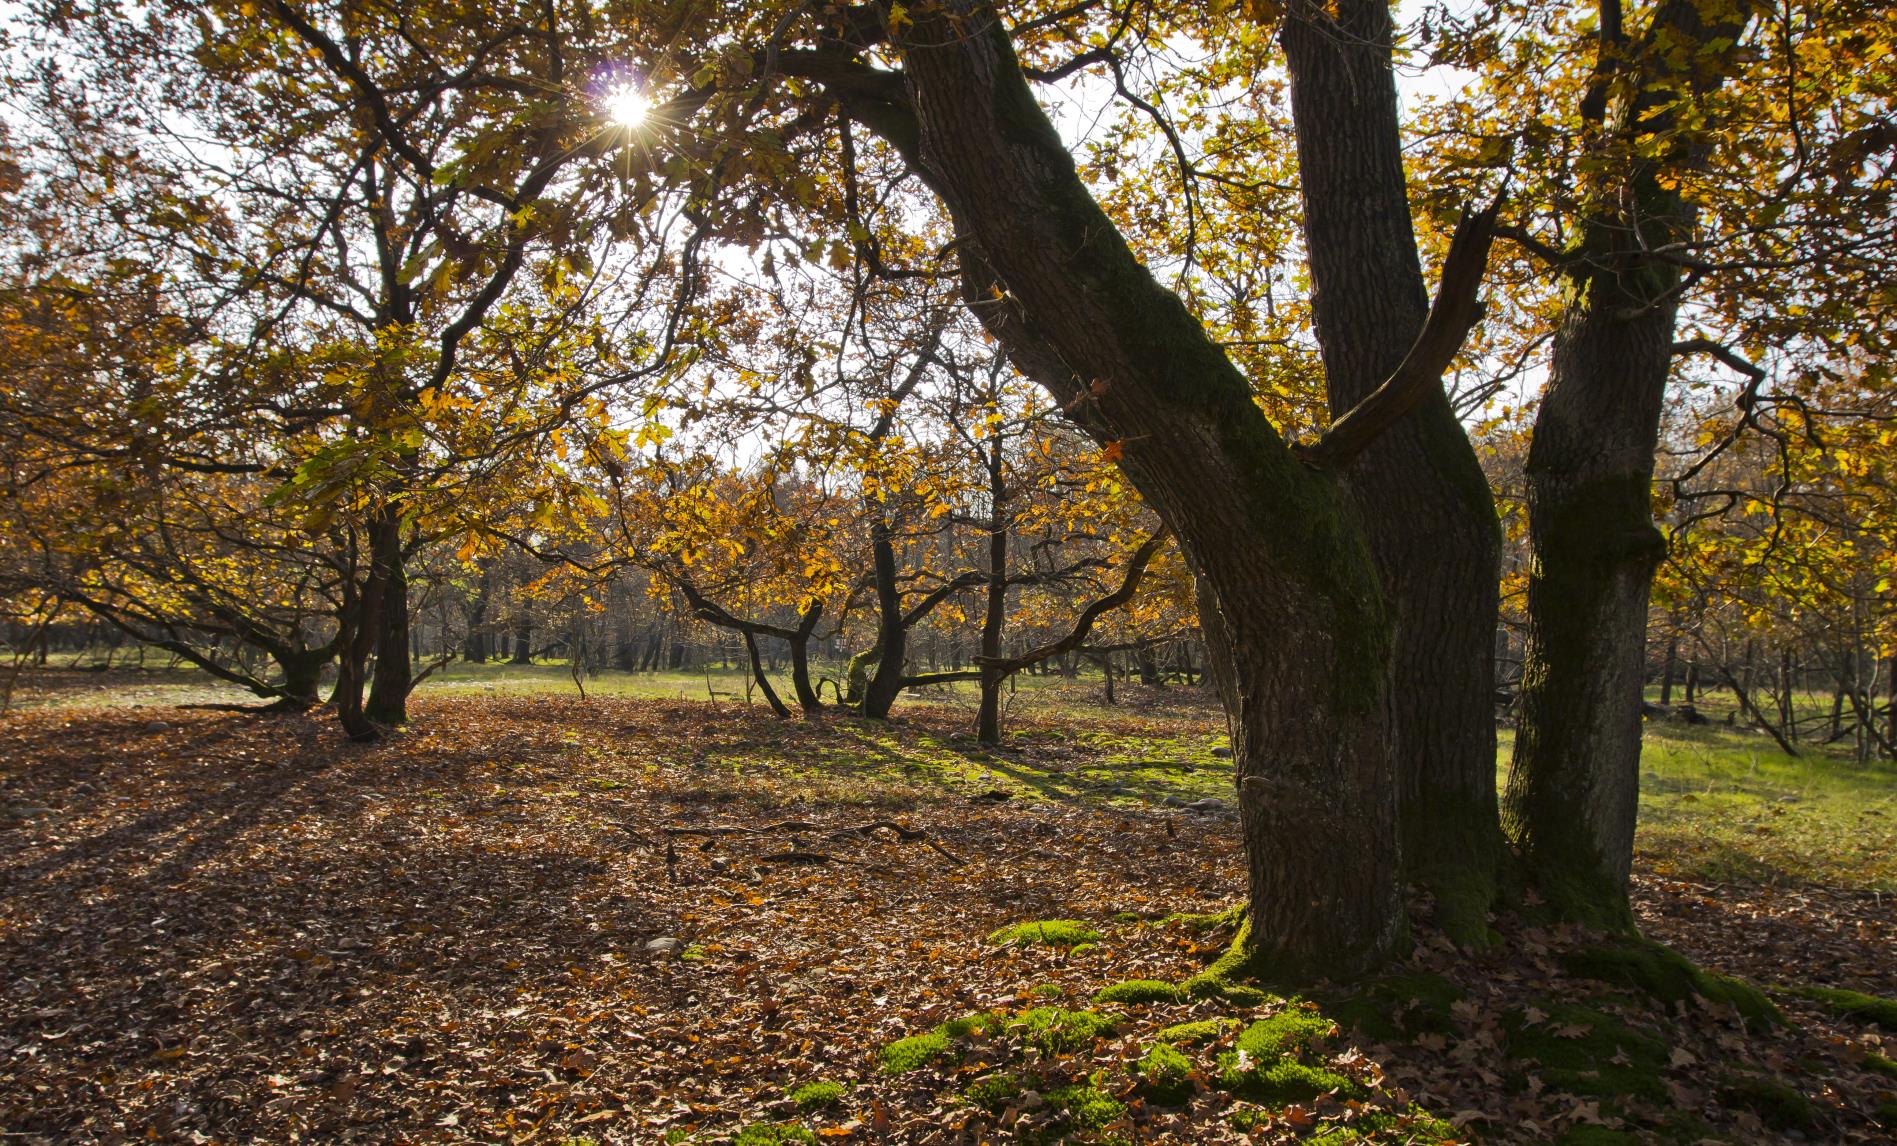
(1718, 802)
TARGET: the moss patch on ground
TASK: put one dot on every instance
(1165, 1075)
(1086, 1105)
(1067, 933)
(1778, 1104)
(1058, 1031)
(994, 1092)
(1587, 1052)
(1266, 1067)
(1206, 924)
(1853, 1005)
(1194, 1033)
(813, 1096)
(1286, 1033)
(1222, 980)
(1664, 974)
(1139, 991)
(1414, 1125)
(1281, 1082)
(918, 1051)
(1397, 1006)
(767, 1134)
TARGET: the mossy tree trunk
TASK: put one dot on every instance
(1305, 637)
(1419, 488)
(1571, 795)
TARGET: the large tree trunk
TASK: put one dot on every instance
(394, 674)
(879, 695)
(994, 621)
(1291, 579)
(1572, 792)
(302, 675)
(361, 607)
(523, 638)
(1419, 488)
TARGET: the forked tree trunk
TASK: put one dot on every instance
(362, 604)
(1290, 577)
(1419, 488)
(1572, 791)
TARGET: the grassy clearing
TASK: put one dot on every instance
(1718, 802)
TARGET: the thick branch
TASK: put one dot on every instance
(1451, 317)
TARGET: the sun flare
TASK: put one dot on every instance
(627, 106)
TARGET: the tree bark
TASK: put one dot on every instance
(1572, 791)
(523, 638)
(995, 619)
(879, 695)
(1290, 576)
(394, 673)
(361, 607)
(1418, 486)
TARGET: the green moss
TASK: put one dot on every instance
(1139, 991)
(1281, 1082)
(984, 1022)
(1777, 1104)
(1165, 1075)
(1192, 1034)
(1068, 933)
(813, 1096)
(1265, 1067)
(1048, 991)
(1086, 1105)
(765, 1134)
(1059, 1031)
(1247, 1118)
(918, 1051)
(1288, 1032)
(1664, 974)
(914, 1052)
(1206, 924)
(1586, 1052)
(1853, 1005)
(1878, 1064)
(1220, 980)
(1886, 1113)
(994, 1092)
(1128, 917)
(1414, 1126)
(1398, 1006)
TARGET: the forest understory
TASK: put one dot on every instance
(223, 927)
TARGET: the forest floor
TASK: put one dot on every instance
(222, 927)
